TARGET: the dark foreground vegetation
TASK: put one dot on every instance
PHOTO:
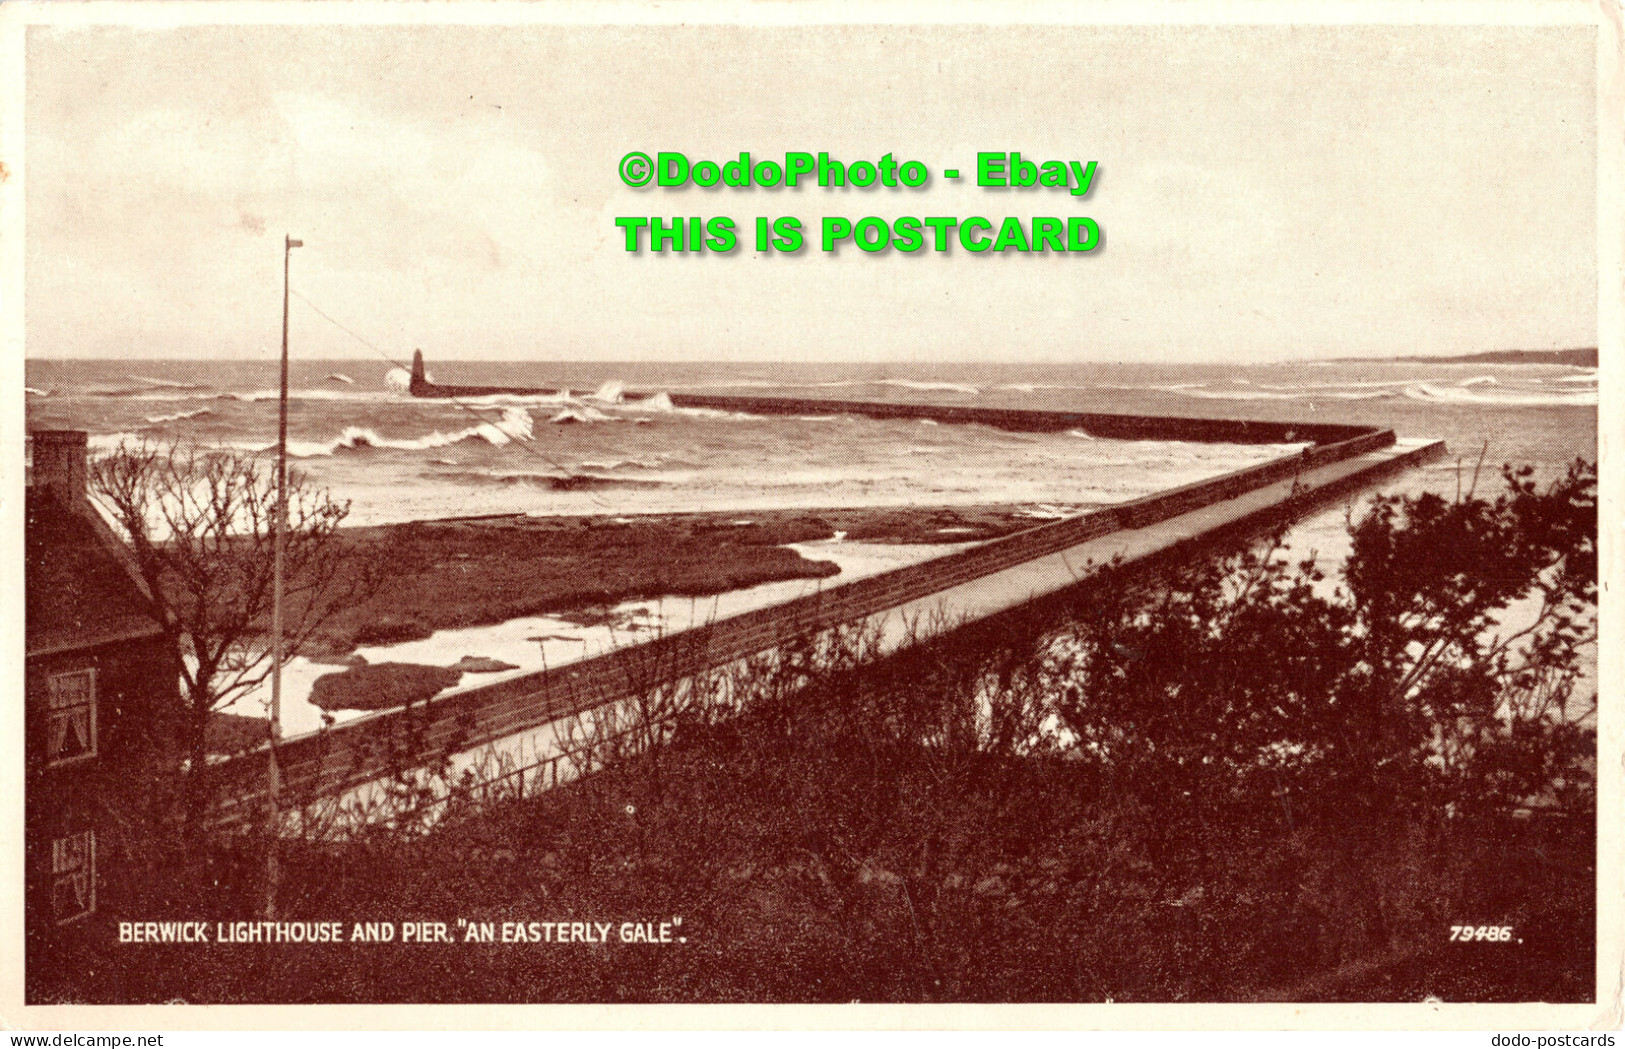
(1227, 779)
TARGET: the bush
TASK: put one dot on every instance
(1241, 781)
(1416, 687)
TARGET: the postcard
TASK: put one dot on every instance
(998, 516)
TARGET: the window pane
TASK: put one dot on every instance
(72, 725)
(73, 869)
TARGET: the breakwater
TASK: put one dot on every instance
(328, 763)
(1095, 424)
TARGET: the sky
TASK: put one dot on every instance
(1264, 192)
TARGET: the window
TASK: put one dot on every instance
(73, 876)
(71, 728)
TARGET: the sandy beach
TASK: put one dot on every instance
(496, 596)
(468, 572)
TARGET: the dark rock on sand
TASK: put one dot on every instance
(354, 659)
(480, 665)
(379, 686)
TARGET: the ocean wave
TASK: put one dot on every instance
(1351, 384)
(1242, 395)
(1092, 387)
(622, 464)
(740, 384)
(32, 392)
(516, 424)
(168, 384)
(837, 384)
(178, 416)
(716, 413)
(1432, 394)
(583, 413)
(108, 443)
(1287, 393)
(339, 377)
(931, 387)
(507, 400)
(255, 396)
(552, 482)
(134, 393)
(611, 392)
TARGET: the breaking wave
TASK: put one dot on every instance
(255, 396)
(178, 416)
(108, 443)
(1501, 398)
(1478, 390)
(516, 424)
(622, 464)
(611, 392)
(936, 387)
(582, 413)
(168, 384)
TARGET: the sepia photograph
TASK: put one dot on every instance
(777, 505)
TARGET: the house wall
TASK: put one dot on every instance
(114, 793)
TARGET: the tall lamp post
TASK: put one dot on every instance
(279, 546)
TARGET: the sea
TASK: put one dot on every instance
(605, 442)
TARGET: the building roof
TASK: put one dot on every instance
(79, 592)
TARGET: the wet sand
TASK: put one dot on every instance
(468, 572)
(341, 682)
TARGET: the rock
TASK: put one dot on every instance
(379, 686)
(480, 665)
(352, 659)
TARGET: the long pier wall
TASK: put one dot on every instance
(1096, 424)
(333, 761)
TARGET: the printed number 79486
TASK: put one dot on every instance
(1481, 933)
